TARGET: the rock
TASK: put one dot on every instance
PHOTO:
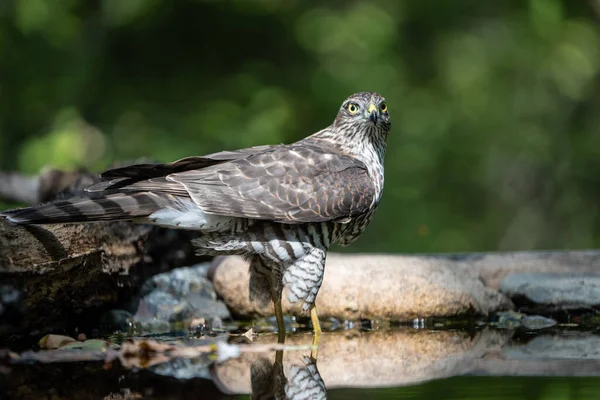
(562, 290)
(179, 296)
(182, 281)
(535, 322)
(512, 320)
(509, 320)
(206, 307)
(492, 268)
(168, 307)
(374, 286)
(163, 306)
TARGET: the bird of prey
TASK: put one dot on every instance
(281, 206)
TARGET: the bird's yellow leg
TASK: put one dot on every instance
(279, 356)
(314, 317)
(279, 317)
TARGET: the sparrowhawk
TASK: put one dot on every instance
(281, 206)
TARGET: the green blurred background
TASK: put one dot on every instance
(494, 104)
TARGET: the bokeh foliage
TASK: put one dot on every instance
(495, 104)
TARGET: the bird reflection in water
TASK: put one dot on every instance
(303, 382)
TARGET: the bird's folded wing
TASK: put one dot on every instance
(117, 178)
(291, 184)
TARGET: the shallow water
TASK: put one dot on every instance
(477, 387)
(352, 364)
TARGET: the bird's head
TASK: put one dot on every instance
(364, 110)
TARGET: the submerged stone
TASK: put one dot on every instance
(509, 319)
(513, 319)
(535, 322)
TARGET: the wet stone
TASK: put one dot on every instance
(182, 281)
(513, 320)
(509, 319)
(563, 290)
(178, 299)
(535, 322)
(205, 307)
(163, 306)
(364, 286)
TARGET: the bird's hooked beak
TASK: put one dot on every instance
(373, 113)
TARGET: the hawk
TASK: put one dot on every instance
(280, 206)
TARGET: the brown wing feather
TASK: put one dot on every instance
(118, 178)
(291, 184)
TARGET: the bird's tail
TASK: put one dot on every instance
(117, 206)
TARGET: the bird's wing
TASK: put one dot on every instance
(289, 184)
(121, 177)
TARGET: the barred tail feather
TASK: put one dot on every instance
(119, 206)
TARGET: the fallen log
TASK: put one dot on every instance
(65, 269)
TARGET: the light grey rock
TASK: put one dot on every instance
(178, 297)
(182, 281)
(206, 307)
(159, 310)
(402, 287)
(535, 322)
(492, 268)
(509, 320)
(563, 290)
(513, 320)
(163, 306)
(361, 286)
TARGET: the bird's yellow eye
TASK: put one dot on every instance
(383, 107)
(352, 108)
